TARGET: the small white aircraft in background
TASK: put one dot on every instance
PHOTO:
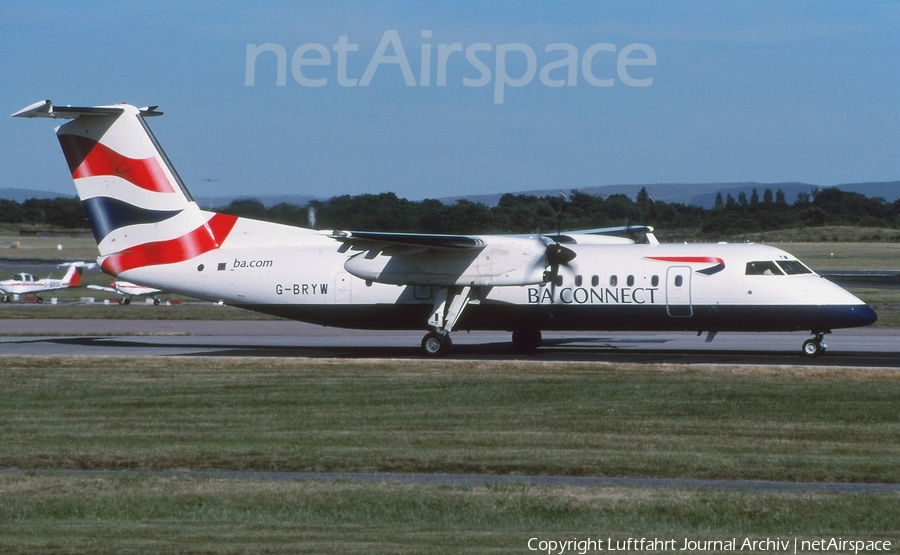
(27, 284)
(150, 230)
(129, 290)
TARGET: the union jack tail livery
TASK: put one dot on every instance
(139, 210)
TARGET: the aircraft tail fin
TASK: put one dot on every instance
(73, 276)
(139, 210)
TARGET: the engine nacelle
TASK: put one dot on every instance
(501, 261)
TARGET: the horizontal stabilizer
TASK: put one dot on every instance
(46, 109)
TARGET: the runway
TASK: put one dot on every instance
(862, 347)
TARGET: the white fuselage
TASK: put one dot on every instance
(302, 274)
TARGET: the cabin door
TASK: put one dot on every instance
(678, 292)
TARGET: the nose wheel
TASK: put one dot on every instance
(815, 347)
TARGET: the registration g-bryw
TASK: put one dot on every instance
(149, 230)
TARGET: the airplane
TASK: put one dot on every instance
(27, 284)
(129, 290)
(149, 230)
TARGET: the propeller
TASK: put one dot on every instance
(556, 254)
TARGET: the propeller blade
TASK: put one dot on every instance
(556, 255)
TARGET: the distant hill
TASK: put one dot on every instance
(701, 194)
(697, 194)
(21, 195)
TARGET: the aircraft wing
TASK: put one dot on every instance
(368, 239)
(101, 288)
(603, 235)
(450, 260)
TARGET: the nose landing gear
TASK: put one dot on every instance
(816, 346)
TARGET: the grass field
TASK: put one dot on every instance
(845, 256)
(17, 247)
(809, 424)
(450, 416)
(46, 514)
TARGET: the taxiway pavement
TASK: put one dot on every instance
(855, 347)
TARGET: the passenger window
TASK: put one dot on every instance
(679, 281)
(577, 281)
(654, 281)
(793, 267)
(595, 281)
(630, 281)
(559, 281)
(613, 281)
(764, 268)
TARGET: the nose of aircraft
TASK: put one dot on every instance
(856, 316)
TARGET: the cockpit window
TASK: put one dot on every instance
(793, 267)
(763, 268)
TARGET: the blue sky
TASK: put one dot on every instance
(740, 91)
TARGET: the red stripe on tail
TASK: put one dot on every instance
(88, 158)
(199, 241)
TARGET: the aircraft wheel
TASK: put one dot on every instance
(526, 341)
(6, 298)
(436, 344)
(813, 348)
(156, 302)
(40, 300)
(126, 301)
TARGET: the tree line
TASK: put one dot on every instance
(530, 214)
(514, 213)
(61, 212)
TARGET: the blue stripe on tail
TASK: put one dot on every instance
(107, 214)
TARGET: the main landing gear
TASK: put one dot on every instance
(436, 344)
(816, 346)
(448, 306)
